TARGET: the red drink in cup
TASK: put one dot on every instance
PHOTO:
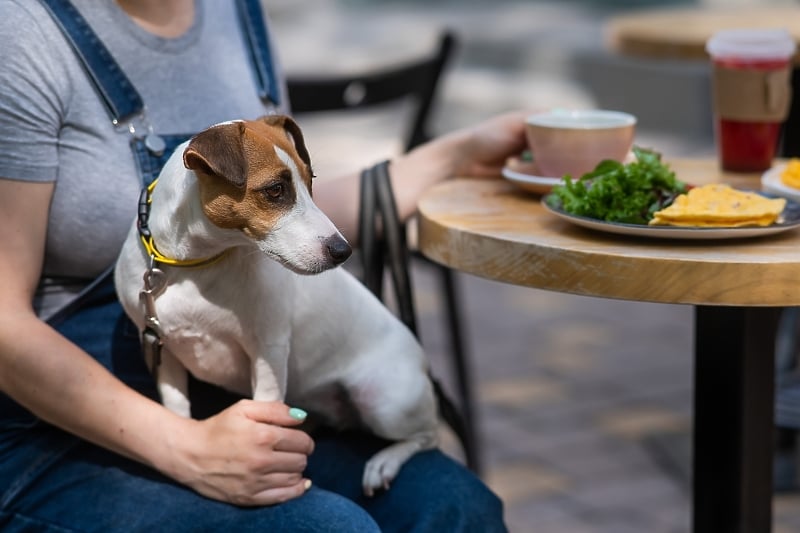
(751, 94)
(747, 146)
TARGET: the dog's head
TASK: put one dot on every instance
(255, 177)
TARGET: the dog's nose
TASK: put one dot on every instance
(338, 249)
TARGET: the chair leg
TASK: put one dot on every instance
(462, 368)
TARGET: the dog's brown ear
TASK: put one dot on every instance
(219, 151)
(291, 127)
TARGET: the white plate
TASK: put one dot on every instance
(524, 175)
(771, 182)
(790, 218)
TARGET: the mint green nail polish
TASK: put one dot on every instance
(297, 414)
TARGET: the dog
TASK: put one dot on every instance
(254, 302)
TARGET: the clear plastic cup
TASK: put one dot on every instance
(751, 93)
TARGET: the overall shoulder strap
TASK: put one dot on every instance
(255, 31)
(120, 97)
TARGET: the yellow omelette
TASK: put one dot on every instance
(719, 206)
(791, 174)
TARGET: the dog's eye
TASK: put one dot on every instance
(274, 191)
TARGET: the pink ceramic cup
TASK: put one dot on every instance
(573, 142)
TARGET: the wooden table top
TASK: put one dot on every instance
(492, 229)
(681, 33)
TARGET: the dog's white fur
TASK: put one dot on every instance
(252, 322)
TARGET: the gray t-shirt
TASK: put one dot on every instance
(53, 126)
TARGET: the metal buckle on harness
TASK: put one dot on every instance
(140, 128)
(155, 282)
(151, 349)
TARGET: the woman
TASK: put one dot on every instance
(83, 444)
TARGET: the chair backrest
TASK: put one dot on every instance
(418, 79)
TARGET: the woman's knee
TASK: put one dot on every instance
(438, 494)
(316, 511)
(467, 504)
(320, 511)
(475, 508)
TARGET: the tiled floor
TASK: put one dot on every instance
(584, 404)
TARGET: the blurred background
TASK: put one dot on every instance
(512, 54)
(583, 405)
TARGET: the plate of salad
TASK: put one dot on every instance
(621, 198)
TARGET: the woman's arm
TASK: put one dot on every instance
(479, 151)
(243, 455)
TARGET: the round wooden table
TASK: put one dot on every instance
(492, 229)
(681, 33)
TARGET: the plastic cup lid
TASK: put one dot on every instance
(751, 43)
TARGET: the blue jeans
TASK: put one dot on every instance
(52, 481)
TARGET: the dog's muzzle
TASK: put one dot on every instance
(338, 249)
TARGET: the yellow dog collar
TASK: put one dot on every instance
(145, 199)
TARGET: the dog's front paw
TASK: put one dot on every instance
(383, 467)
(380, 471)
(175, 400)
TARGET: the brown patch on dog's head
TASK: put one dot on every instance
(244, 182)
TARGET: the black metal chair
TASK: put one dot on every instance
(417, 80)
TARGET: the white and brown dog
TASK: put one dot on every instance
(249, 321)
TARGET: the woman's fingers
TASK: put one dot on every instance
(294, 441)
(271, 489)
(272, 412)
(274, 429)
(283, 462)
(282, 493)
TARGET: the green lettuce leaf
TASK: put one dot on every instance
(617, 192)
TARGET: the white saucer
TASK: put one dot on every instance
(524, 175)
(771, 182)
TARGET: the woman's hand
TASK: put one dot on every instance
(249, 454)
(484, 148)
(479, 151)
